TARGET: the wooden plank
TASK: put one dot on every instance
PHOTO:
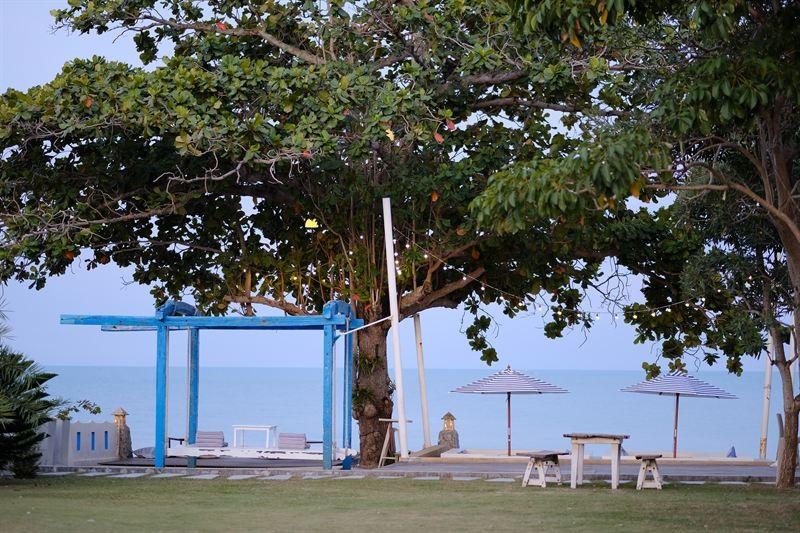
(595, 436)
(109, 320)
(347, 393)
(162, 347)
(194, 384)
(327, 399)
(212, 322)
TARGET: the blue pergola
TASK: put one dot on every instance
(337, 320)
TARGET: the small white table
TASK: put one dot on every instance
(270, 435)
(576, 459)
(389, 437)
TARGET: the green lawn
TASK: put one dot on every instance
(98, 504)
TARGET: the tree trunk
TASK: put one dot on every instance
(785, 476)
(787, 462)
(372, 393)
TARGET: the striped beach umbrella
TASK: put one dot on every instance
(509, 382)
(678, 384)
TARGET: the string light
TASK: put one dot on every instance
(512, 297)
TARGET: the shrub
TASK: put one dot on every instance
(24, 406)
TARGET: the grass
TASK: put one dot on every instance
(98, 504)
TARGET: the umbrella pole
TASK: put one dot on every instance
(675, 429)
(508, 422)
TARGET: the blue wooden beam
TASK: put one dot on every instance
(347, 393)
(327, 399)
(162, 356)
(193, 369)
(194, 384)
(210, 322)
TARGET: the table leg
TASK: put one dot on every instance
(573, 467)
(615, 454)
(527, 475)
(581, 451)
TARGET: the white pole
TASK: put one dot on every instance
(765, 406)
(388, 234)
(796, 364)
(423, 390)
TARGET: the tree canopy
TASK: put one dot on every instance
(203, 170)
(703, 98)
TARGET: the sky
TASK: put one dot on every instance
(31, 54)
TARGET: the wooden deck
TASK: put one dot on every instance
(227, 462)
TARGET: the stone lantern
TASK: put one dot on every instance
(448, 436)
(123, 434)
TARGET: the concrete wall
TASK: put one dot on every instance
(78, 443)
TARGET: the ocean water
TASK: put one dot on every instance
(292, 399)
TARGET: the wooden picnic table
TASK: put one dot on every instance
(579, 440)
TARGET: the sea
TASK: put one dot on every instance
(291, 398)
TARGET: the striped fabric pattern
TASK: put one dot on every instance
(683, 384)
(510, 381)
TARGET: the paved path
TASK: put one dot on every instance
(591, 471)
(430, 470)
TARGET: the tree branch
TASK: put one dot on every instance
(242, 32)
(538, 104)
(284, 306)
(484, 78)
(422, 299)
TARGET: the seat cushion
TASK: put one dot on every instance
(292, 441)
(210, 439)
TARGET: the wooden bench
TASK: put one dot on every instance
(541, 461)
(649, 466)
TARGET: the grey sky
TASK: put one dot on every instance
(30, 54)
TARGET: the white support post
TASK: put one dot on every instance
(796, 364)
(423, 390)
(388, 234)
(765, 406)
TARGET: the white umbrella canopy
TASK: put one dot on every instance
(509, 382)
(679, 384)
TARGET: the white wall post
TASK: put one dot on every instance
(765, 406)
(388, 233)
(423, 390)
(796, 364)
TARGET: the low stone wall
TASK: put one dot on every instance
(78, 443)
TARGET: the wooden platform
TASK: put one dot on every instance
(222, 463)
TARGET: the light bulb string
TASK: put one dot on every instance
(688, 302)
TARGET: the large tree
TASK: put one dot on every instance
(202, 171)
(706, 94)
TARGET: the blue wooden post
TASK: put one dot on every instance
(327, 399)
(162, 349)
(194, 383)
(347, 392)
